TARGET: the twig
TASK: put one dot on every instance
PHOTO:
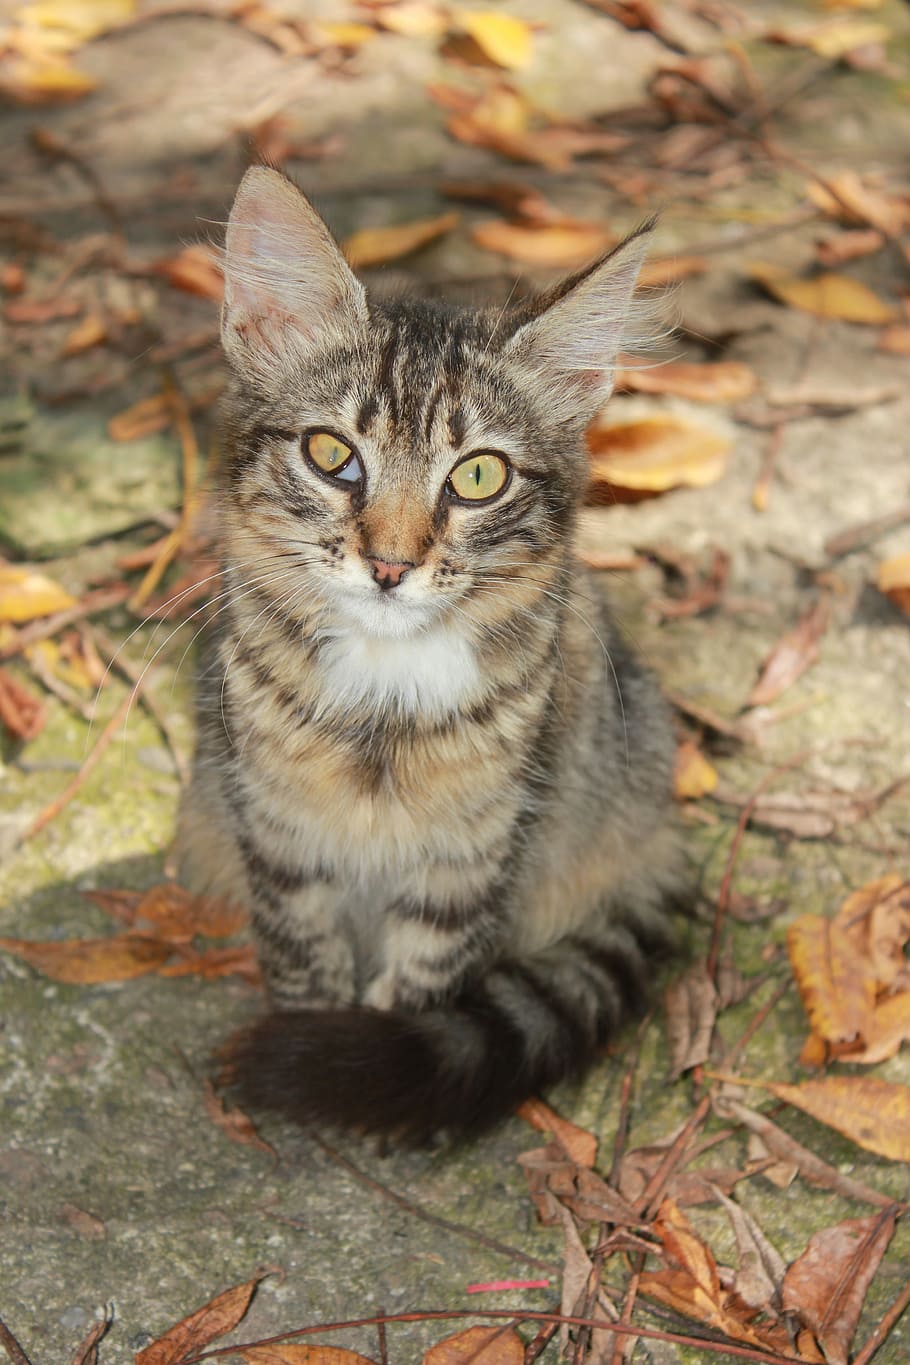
(559, 1319)
(854, 537)
(756, 1022)
(381, 1341)
(176, 539)
(625, 1096)
(434, 1219)
(11, 1346)
(50, 812)
(68, 695)
(536, 1348)
(101, 600)
(653, 1191)
(769, 460)
(879, 1333)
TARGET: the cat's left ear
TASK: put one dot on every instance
(286, 284)
(581, 325)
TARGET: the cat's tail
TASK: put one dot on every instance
(526, 1024)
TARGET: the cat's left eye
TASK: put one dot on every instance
(331, 456)
(479, 477)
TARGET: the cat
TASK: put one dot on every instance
(426, 760)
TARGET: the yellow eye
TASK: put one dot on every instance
(479, 477)
(330, 454)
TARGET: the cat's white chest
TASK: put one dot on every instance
(433, 672)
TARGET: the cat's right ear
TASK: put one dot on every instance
(286, 284)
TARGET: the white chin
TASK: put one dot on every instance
(386, 617)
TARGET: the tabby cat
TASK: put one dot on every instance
(426, 759)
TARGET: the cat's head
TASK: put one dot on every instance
(414, 462)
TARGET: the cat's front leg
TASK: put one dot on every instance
(306, 958)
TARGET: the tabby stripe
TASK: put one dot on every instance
(281, 878)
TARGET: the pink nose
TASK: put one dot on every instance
(388, 575)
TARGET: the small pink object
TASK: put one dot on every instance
(493, 1286)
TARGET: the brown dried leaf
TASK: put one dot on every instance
(831, 38)
(895, 339)
(693, 775)
(83, 1223)
(42, 310)
(877, 919)
(848, 246)
(478, 1346)
(233, 1122)
(170, 912)
(517, 200)
(143, 418)
(90, 961)
(212, 963)
(826, 1286)
(893, 579)
(91, 331)
(659, 271)
(195, 270)
(299, 1353)
(724, 381)
(761, 1268)
(873, 1113)
(21, 713)
(836, 983)
(86, 1352)
(826, 296)
(502, 38)
(794, 653)
(889, 1028)
(655, 454)
(578, 1143)
(545, 244)
(26, 594)
(196, 1331)
(690, 1003)
(376, 246)
(854, 200)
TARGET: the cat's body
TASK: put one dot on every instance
(425, 761)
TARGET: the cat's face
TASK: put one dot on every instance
(403, 463)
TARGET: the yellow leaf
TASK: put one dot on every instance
(26, 594)
(80, 20)
(693, 775)
(478, 1346)
(831, 38)
(851, 199)
(375, 246)
(870, 1112)
(90, 961)
(827, 296)
(722, 381)
(546, 244)
(45, 82)
(91, 331)
(656, 453)
(501, 37)
(343, 34)
(835, 982)
(893, 580)
(412, 19)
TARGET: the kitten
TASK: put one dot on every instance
(426, 760)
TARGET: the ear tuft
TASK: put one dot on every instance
(580, 327)
(286, 283)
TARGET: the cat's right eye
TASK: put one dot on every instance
(331, 456)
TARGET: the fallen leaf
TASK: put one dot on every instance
(794, 653)
(478, 1346)
(892, 578)
(375, 246)
(873, 1113)
(848, 197)
(659, 270)
(544, 244)
(22, 714)
(170, 912)
(807, 814)
(195, 270)
(851, 245)
(91, 331)
(578, 1143)
(895, 339)
(233, 1122)
(825, 296)
(831, 38)
(826, 1286)
(91, 961)
(82, 1222)
(503, 38)
(70, 23)
(299, 1353)
(690, 1006)
(42, 310)
(143, 418)
(212, 963)
(26, 594)
(345, 34)
(836, 987)
(499, 120)
(724, 381)
(412, 19)
(196, 1331)
(86, 1352)
(693, 775)
(45, 81)
(877, 919)
(655, 454)
(760, 1272)
(511, 197)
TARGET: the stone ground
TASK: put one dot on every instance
(115, 1185)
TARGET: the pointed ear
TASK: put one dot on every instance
(580, 326)
(286, 284)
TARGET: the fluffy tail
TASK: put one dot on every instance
(460, 1067)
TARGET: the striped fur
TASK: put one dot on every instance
(447, 805)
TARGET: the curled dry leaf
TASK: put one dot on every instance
(577, 1143)
(793, 654)
(42, 310)
(22, 714)
(895, 339)
(655, 454)
(195, 270)
(723, 381)
(690, 1005)
(826, 296)
(873, 1113)
(848, 246)
(233, 1122)
(831, 38)
(825, 1287)
(91, 331)
(545, 244)
(837, 989)
(26, 594)
(91, 961)
(693, 775)
(849, 198)
(216, 962)
(502, 38)
(661, 270)
(300, 1353)
(893, 579)
(194, 1332)
(478, 1346)
(376, 246)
